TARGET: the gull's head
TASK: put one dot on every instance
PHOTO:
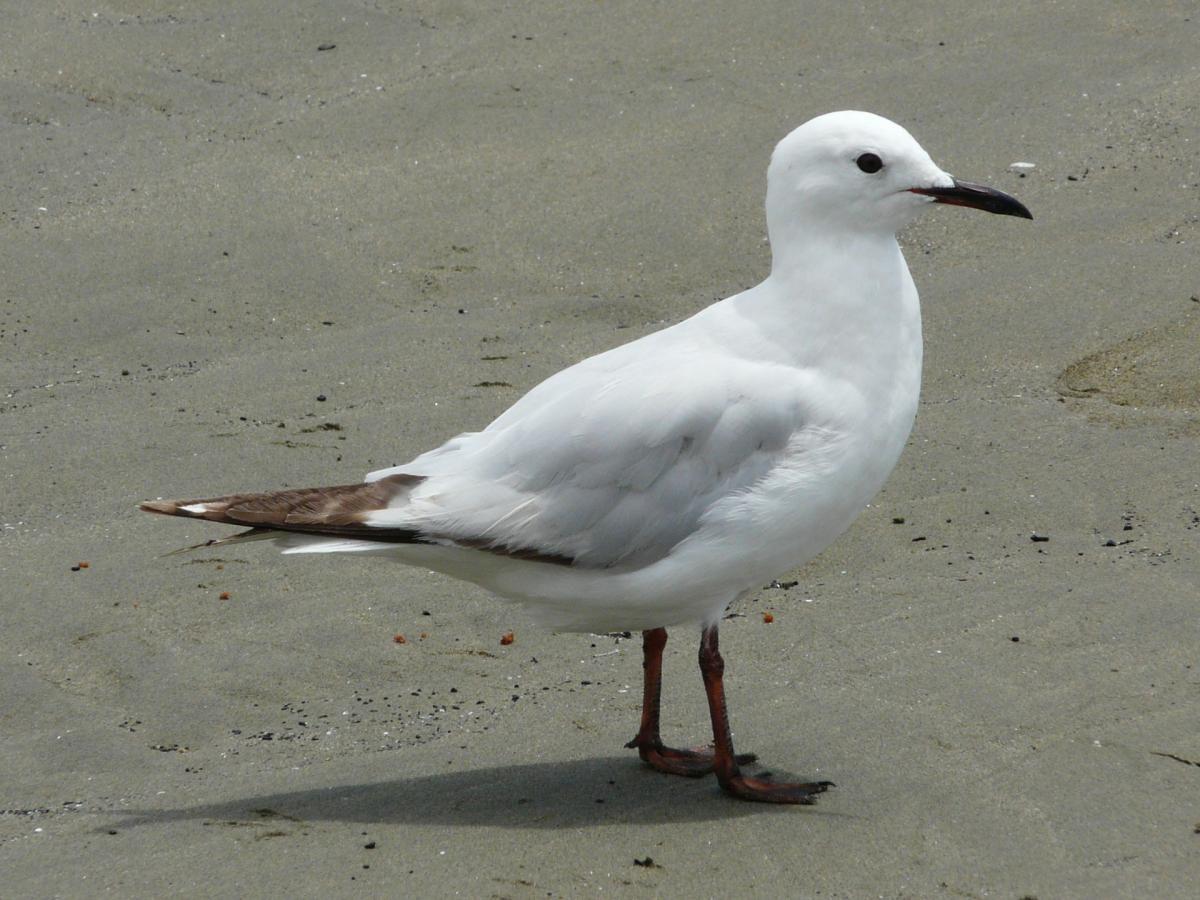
(863, 172)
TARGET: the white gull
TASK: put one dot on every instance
(654, 484)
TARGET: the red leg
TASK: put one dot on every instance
(692, 763)
(725, 763)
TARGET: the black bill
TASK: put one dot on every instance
(977, 196)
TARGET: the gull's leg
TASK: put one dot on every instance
(692, 763)
(725, 763)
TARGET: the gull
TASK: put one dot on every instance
(658, 482)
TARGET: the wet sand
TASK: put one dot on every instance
(211, 223)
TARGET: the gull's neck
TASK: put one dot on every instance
(848, 273)
(801, 242)
(839, 299)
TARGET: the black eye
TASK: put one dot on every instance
(869, 163)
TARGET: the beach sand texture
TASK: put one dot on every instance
(234, 260)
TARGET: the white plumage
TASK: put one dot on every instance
(694, 464)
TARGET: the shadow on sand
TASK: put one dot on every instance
(585, 792)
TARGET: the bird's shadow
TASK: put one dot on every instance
(579, 793)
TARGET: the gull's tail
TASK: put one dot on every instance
(331, 519)
(334, 511)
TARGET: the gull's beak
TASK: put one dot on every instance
(963, 193)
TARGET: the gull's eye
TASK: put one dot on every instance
(869, 163)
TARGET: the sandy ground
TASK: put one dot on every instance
(210, 224)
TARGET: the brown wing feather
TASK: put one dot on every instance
(334, 510)
(338, 510)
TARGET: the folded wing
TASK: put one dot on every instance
(609, 463)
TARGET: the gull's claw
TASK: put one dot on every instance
(801, 793)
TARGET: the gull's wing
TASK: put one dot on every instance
(614, 461)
